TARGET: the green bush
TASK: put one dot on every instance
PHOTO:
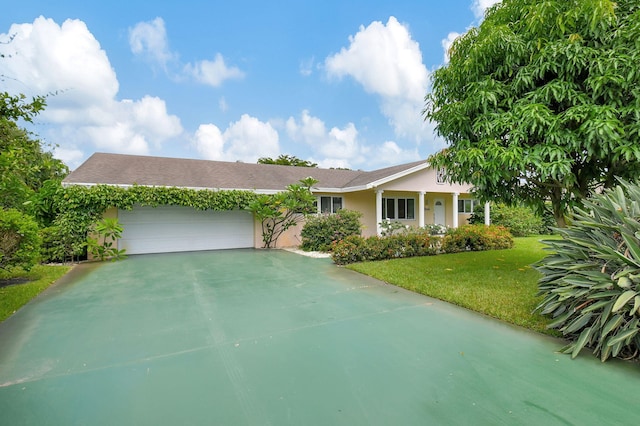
(319, 233)
(519, 220)
(476, 238)
(591, 282)
(357, 249)
(108, 231)
(19, 240)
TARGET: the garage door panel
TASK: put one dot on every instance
(173, 228)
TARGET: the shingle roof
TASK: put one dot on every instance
(119, 169)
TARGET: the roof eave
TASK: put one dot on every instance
(196, 188)
(399, 175)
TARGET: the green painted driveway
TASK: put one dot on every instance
(251, 337)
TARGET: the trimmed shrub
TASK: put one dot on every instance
(519, 220)
(476, 238)
(591, 284)
(319, 233)
(357, 249)
(19, 240)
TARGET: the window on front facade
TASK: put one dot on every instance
(466, 206)
(398, 208)
(330, 204)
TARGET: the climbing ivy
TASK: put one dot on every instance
(80, 207)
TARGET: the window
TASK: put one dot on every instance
(330, 204)
(466, 206)
(441, 176)
(398, 208)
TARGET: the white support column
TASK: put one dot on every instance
(378, 210)
(487, 214)
(455, 210)
(421, 209)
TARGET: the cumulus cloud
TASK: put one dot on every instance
(244, 140)
(447, 43)
(342, 147)
(386, 61)
(149, 39)
(212, 73)
(67, 60)
(480, 6)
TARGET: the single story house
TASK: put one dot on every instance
(414, 194)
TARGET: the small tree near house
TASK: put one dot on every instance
(279, 212)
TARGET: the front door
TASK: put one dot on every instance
(438, 211)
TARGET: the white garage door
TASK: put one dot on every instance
(174, 228)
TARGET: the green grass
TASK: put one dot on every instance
(498, 283)
(40, 277)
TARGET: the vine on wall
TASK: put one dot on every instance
(80, 207)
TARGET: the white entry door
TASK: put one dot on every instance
(438, 211)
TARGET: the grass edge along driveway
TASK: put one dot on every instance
(13, 297)
(498, 283)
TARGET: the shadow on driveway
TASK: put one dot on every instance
(269, 337)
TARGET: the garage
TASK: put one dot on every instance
(174, 228)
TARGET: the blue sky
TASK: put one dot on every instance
(340, 83)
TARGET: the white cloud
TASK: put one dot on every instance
(391, 150)
(53, 58)
(84, 113)
(387, 62)
(306, 66)
(480, 6)
(244, 140)
(149, 39)
(334, 148)
(341, 147)
(384, 59)
(223, 105)
(447, 43)
(212, 73)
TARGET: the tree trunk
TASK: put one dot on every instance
(556, 205)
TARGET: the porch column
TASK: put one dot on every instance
(378, 210)
(487, 214)
(421, 209)
(455, 210)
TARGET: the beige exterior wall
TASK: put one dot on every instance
(110, 213)
(289, 238)
(425, 180)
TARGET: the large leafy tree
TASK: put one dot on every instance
(541, 102)
(24, 165)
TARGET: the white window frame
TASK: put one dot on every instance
(336, 203)
(466, 202)
(441, 176)
(409, 213)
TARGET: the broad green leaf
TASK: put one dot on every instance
(623, 299)
(621, 337)
(581, 342)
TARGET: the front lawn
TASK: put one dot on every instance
(24, 286)
(498, 283)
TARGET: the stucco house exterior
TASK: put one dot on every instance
(414, 194)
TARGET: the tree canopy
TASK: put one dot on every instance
(24, 165)
(542, 101)
(287, 160)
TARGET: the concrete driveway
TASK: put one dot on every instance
(253, 337)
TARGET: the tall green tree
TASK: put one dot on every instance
(542, 101)
(24, 165)
(287, 160)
